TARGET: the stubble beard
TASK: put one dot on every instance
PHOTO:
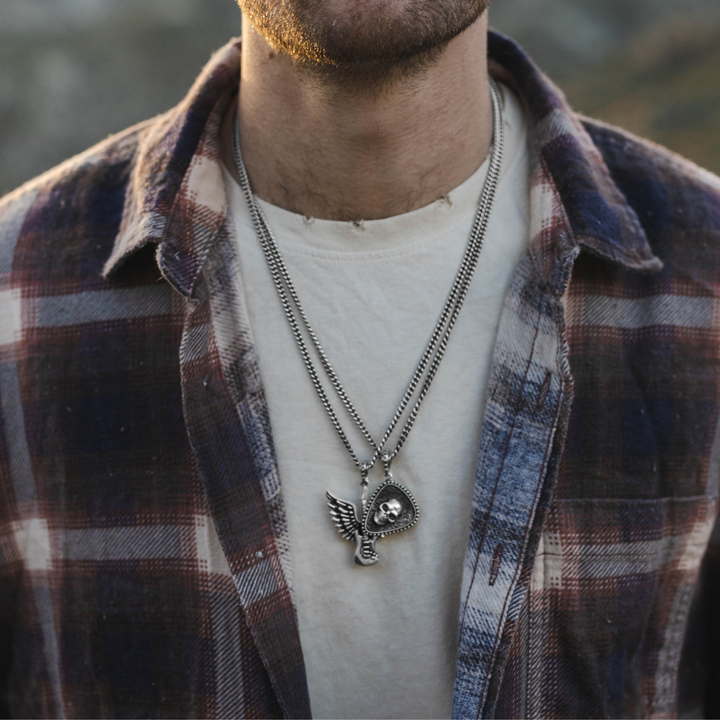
(361, 45)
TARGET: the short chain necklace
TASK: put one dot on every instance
(391, 508)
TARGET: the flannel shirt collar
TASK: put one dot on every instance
(179, 159)
(178, 167)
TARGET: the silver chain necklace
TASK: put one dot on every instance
(392, 507)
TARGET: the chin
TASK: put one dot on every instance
(351, 34)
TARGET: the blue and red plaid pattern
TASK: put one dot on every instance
(143, 546)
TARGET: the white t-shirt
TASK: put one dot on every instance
(380, 641)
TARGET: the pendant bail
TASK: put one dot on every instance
(364, 470)
(387, 459)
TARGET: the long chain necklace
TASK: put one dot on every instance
(391, 508)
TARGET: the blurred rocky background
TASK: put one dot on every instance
(73, 71)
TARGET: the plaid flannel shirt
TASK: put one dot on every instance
(143, 546)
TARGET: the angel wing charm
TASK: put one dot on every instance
(391, 509)
(344, 516)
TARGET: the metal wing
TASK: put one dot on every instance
(344, 515)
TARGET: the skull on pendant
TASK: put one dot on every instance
(388, 512)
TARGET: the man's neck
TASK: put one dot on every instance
(316, 149)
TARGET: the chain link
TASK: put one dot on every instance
(435, 349)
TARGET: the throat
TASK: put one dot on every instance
(367, 178)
